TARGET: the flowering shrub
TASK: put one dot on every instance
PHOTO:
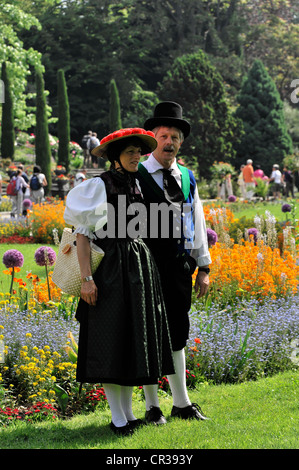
(46, 217)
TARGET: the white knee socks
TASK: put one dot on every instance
(120, 402)
(177, 383)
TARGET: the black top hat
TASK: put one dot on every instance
(169, 114)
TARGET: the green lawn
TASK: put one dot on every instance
(28, 266)
(252, 415)
(253, 209)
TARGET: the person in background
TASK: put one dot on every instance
(18, 199)
(162, 180)
(93, 143)
(288, 180)
(37, 183)
(249, 179)
(241, 182)
(26, 191)
(276, 178)
(86, 152)
(80, 177)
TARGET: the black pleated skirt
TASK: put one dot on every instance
(125, 339)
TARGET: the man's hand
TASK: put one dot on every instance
(202, 282)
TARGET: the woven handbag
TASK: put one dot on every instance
(66, 274)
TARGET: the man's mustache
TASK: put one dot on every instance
(168, 148)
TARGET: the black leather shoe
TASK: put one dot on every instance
(135, 423)
(122, 430)
(155, 416)
(189, 412)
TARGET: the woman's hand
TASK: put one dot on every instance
(89, 292)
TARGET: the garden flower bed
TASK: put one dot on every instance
(244, 329)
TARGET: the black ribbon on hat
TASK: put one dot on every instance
(172, 191)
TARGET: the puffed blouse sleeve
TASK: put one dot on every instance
(86, 207)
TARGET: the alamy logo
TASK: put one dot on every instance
(2, 91)
(295, 93)
(148, 222)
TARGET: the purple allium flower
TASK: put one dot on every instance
(13, 259)
(212, 237)
(286, 208)
(253, 231)
(40, 257)
(27, 203)
(232, 198)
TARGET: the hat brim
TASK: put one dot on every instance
(181, 124)
(101, 150)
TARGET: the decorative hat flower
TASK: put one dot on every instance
(27, 203)
(13, 259)
(45, 256)
(286, 208)
(254, 232)
(212, 237)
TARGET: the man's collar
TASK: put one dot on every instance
(152, 165)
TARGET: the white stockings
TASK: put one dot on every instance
(120, 402)
(177, 383)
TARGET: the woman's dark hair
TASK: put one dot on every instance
(116, 148)
(36, 169)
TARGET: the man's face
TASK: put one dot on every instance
(169, 142)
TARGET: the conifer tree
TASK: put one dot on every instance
(194, 83)
(114, 110)
(42, 144)
(7, 124)
(63, 121)
(265, 139)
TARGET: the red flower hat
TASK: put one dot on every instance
(148, 137)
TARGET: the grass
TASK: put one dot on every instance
(252, 415)
(28, 266)
(259, 208)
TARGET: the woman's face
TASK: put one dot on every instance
(130, 158)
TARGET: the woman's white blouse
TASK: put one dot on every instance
(86, 207)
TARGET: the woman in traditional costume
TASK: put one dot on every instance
(124, 337)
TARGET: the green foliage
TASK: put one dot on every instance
(42, 143)
(198, 87)
(7, 125)
(114, 109)
(63, 121)
(265, 139)
(13, 21)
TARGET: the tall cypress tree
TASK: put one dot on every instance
(63, 121)
(8, 132)
(114, 110)
(265, 139)
(42, 143)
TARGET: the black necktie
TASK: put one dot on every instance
(172, 190)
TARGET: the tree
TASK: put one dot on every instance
(13, 20)
(42, 144)
(196, 85)
(63, 121)
(265, 139)
(7, 125)
(114, 110)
